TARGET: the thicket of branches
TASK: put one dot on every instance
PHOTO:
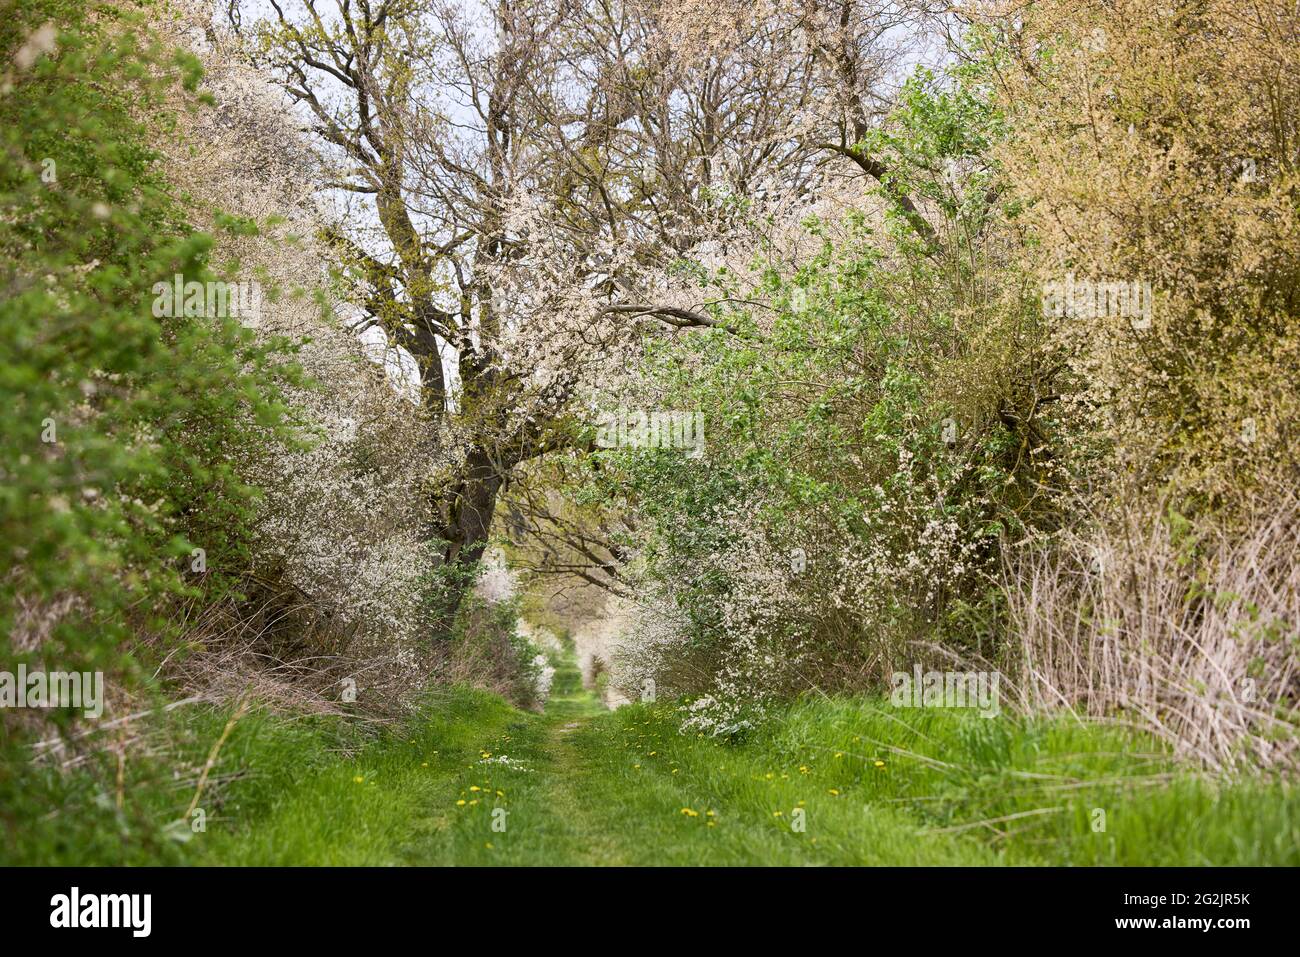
(825, 226)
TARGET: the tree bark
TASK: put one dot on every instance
(464, 532)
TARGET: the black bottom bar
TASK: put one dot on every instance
(365, 907)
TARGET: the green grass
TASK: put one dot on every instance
(283, 791)
(578, 785)
(880, 785)
(363, 810)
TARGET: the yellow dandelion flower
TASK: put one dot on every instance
(358, 779)
(475, 787)
(880, 764)
(460, 803)
(835, 791)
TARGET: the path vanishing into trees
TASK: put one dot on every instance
(471, 780)
(577, 786)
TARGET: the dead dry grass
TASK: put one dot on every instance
(1193, 637)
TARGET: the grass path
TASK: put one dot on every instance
(847, 781)
(538, 773)
(834, 783)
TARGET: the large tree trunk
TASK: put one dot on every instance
(471, 514)
(466, 522)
